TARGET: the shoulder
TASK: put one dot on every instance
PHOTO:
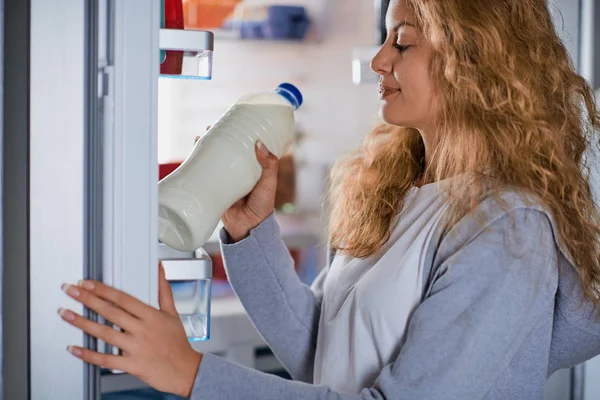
(508, 251)
(510, 212)
(504, 227)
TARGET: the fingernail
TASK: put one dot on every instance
(66, 314)
(70, 290)
(86, 284)
(73, 350)
(262, 148)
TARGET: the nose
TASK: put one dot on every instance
(381, 64)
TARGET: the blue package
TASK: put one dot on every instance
(282, 23)
(252, 30)
(287, 22)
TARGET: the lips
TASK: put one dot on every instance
(385, 91)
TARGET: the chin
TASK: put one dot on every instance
(392, 117)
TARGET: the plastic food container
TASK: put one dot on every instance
(190, 277)
(195, 49)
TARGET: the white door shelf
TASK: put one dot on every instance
(196, 48)
(186, 40)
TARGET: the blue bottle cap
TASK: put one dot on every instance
(291, 93)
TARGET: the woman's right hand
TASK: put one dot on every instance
(247, 213)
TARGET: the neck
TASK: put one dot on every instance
(427, 138)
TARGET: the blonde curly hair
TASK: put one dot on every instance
(513, 113)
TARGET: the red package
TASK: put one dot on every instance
(173, 63)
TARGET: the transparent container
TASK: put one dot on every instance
(192, 50)
(192, 299)
(195, 65)
(190, 277)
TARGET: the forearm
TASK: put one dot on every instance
(284, 310)
(219, 379)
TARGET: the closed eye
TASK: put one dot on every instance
(401, 48)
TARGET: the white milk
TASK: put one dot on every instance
(222, 168)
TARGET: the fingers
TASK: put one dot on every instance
(108, 311)
(198, 137)
(91, 293)
(165, 294)
(108, 361)
(263, 155)
(266, 159)
(102, 332)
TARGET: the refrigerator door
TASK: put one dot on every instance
(79, 177)
(130, 101)
(62, 234)
(558, 387)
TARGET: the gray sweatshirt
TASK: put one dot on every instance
(500, 313)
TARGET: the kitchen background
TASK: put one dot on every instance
(335, 115)
(56, 226)
(340, 108)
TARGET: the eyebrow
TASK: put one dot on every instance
(401, 24)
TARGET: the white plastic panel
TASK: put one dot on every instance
(131, 168)
(1, 184)
(590, 42)
(56, 192)
(186, 40)
(567, 19)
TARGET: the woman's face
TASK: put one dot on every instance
(405, 84)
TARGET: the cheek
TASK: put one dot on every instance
(417, 84)
(415, 105)
(418, 90)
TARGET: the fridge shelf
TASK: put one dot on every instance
(186, 53)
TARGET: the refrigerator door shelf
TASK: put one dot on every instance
(196, 48)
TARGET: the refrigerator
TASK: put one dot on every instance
(80, 193)
(79, 172)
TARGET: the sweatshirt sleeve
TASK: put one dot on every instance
(481, 307)
(284, 310)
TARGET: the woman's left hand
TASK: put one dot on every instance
(153, 343)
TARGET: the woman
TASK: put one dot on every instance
(466, 234)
